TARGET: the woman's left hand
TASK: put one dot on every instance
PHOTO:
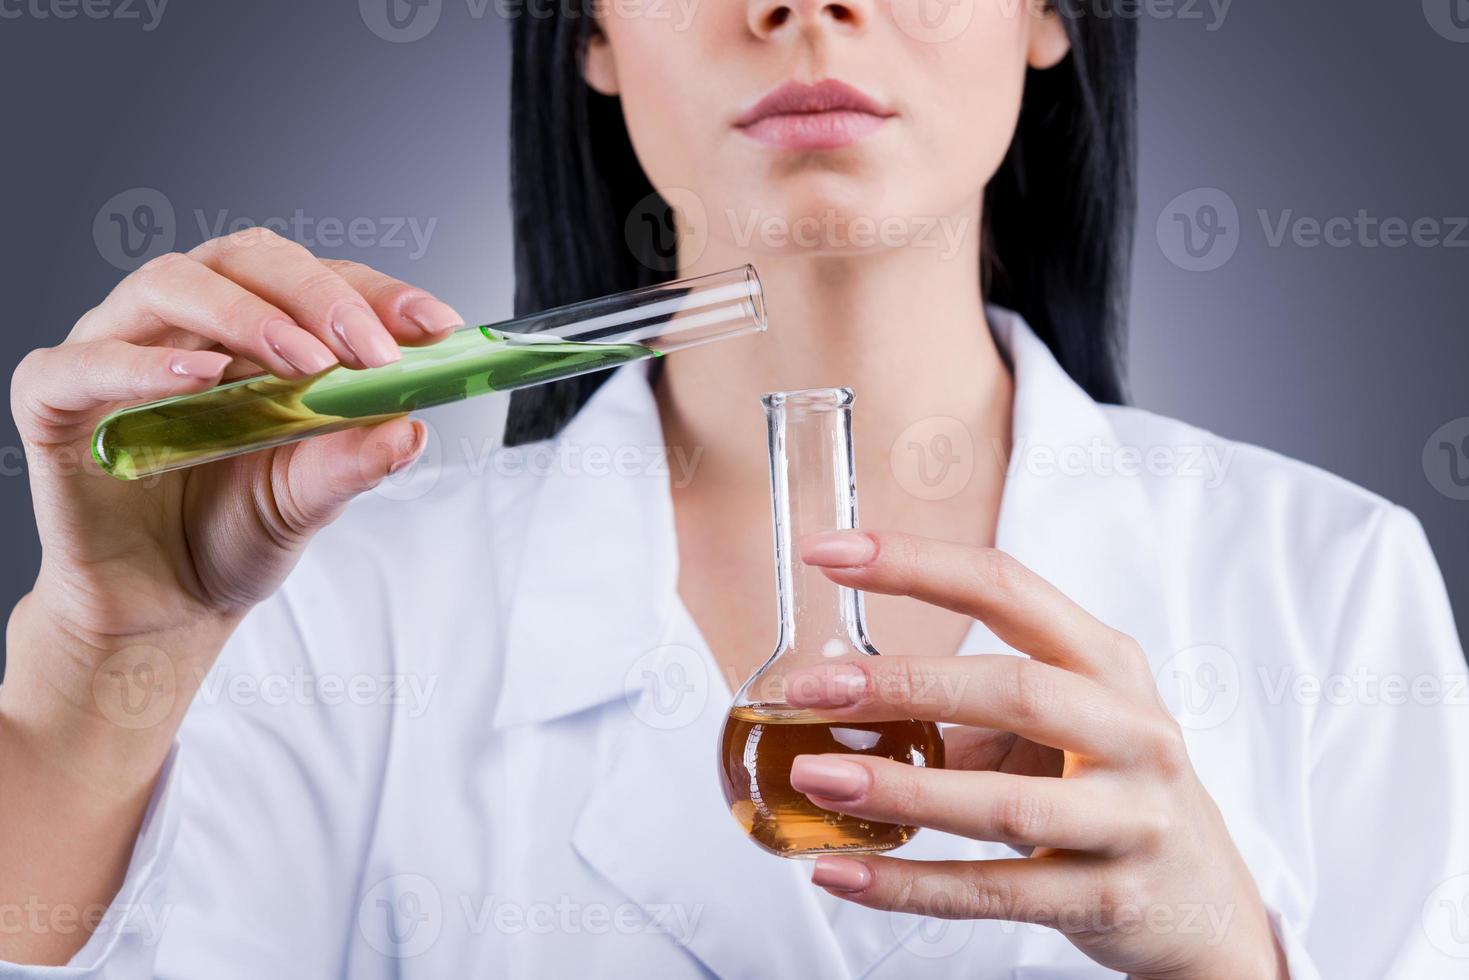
(1070, 753)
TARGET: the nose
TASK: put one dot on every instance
(768, 18)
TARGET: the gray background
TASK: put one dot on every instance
(1347, 357)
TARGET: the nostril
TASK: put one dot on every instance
(779, 16)
(840, 14)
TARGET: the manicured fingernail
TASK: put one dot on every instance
(297, 347)
(828, 686)
(413, 450)
(841, 874)
(364, 336)
(831, 779)
(431, 316)
(838, 549)
(198, 364)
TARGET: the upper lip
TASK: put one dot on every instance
(794, 98)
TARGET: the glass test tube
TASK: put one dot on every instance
(264, 411)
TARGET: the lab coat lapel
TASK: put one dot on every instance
(594, 623)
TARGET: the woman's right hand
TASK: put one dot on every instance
(153, 575)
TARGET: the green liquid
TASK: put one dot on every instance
(257, 413)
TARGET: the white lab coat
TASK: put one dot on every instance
(474, 733)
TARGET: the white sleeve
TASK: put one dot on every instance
(248, 860)
(1389, 786)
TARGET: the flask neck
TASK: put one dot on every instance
(813, 489)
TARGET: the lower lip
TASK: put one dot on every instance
(814, 130)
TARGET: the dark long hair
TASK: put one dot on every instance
(1058, 214)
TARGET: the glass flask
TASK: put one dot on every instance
(812, 489)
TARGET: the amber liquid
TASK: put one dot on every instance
(760, 743)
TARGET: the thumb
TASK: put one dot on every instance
(325, 473)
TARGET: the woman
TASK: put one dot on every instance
(472, 734)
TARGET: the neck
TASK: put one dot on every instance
(905, 328)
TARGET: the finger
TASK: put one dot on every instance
(1034, 811)
(288, 275)
(57, 392)
(1034, 700)
(1046, 891)
(413, 315)
(1023, 609)
(175, 292)
(324, 474)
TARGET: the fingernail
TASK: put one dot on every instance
(198, 364)
(827, 686)
(838, 549)
(364, 336)
(831, 779)
(297, 347)
(841, 874)
(413, 450)
(431, 316)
